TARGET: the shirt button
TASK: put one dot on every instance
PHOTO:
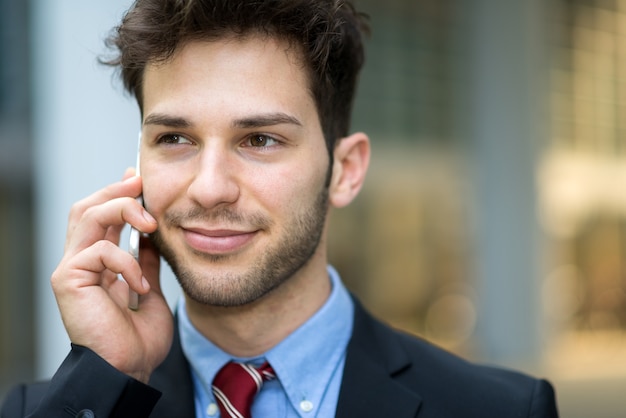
(306, 406)
(86, 413)
(212, 409)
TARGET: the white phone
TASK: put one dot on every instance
(133, 241)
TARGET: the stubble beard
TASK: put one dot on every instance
(300, 240)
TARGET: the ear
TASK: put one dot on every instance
(351, 159)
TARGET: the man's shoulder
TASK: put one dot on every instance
(443, 365)
(468, 384)
(390, 343)
(445, 382)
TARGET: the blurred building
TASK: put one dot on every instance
(17, 275)
(493, 218)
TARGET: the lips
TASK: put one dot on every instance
(219, 241)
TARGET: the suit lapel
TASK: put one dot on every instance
(369, 386)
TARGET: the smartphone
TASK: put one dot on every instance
(133, 241)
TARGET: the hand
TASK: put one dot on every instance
(94, 302)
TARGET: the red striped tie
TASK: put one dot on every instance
(235, 386)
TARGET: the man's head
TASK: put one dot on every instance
(244, 137)
(327, 33)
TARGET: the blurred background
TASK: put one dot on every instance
(493, 221)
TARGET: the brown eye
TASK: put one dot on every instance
(258, 141)
(261, 141)
(173, 139)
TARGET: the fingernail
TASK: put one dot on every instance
(144, 283)
(148, 217)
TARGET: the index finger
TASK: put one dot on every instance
(97, 220)
(129, 187)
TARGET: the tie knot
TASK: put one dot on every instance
(235, 386)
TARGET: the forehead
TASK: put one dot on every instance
(238, 66)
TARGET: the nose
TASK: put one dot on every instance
(215, 181)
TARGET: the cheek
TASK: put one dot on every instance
(289, 190)
(159, 190)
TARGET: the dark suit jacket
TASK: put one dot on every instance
(387, 374)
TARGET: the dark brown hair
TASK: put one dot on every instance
(328, 32)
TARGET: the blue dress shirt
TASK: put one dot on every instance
(308, 363)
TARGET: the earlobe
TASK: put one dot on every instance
(352, 155)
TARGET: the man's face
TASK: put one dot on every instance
(234, 167)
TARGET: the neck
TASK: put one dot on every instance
(253, 329)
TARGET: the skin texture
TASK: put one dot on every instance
(234, 170)
(223, 185)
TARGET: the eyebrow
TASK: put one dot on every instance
(269, 119)
(167, 120)
(248, 122)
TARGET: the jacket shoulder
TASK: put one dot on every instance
(474, 387)
(448, 385)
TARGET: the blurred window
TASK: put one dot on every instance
(403, 246)
(16, 257)
(406, 89)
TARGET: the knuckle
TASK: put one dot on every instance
(89, 213)
(59, 278)
(104, 247)
(55, 278)
(77, 209)
(114, 257)
(129, 265)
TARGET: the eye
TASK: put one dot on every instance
(173, 139)
(260, 140)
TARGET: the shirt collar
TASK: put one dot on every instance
(315, 350)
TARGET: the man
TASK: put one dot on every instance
(245, 110)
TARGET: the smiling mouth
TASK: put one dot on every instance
(220, 241)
